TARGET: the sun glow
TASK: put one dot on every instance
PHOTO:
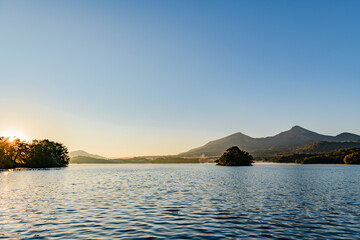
(12, 135)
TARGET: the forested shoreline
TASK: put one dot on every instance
(15, 153)
(37, 154)
(346, 156)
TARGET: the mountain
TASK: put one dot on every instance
(284, 141)
(347, 137)
(84, 154)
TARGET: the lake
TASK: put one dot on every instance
(181, 201)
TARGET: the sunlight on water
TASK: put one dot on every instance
(181, 201)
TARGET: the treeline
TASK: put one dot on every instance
(156, 160)
(326, 147)
(37, 154)
(346, 156)
(323, 149)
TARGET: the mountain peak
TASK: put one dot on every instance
(345, 136)
(296, 127)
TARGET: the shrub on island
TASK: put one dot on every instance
(235, 157)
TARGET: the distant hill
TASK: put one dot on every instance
(84, 160)
(84, 154)
(286, 141)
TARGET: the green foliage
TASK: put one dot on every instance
(353, 158)
(46, 153)
(292, 158)
(235, 157)
(327, 147)
(38, 154)
(322, 158)
(11, 153)
(6, 154)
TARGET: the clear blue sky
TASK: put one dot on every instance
(125, 78)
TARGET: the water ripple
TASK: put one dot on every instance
(181, 202)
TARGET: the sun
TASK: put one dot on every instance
(13, 134)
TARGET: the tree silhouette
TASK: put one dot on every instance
(6, 160)
(38, 154)
(46, 153)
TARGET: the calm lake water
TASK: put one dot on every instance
(181, 202)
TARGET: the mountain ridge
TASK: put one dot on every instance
(82, 153)
(288, 140)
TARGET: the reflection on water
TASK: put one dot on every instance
(181, 201)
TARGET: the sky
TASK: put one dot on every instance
(135, 78)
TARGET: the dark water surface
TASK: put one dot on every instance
(181, 202)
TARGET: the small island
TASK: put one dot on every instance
(235, 157)
(37, 154)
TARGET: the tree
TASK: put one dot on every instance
(45, 153)
(12, 153)
(5, 154)
(353, 158)
(235, 157)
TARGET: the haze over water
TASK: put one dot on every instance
(181, 201)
